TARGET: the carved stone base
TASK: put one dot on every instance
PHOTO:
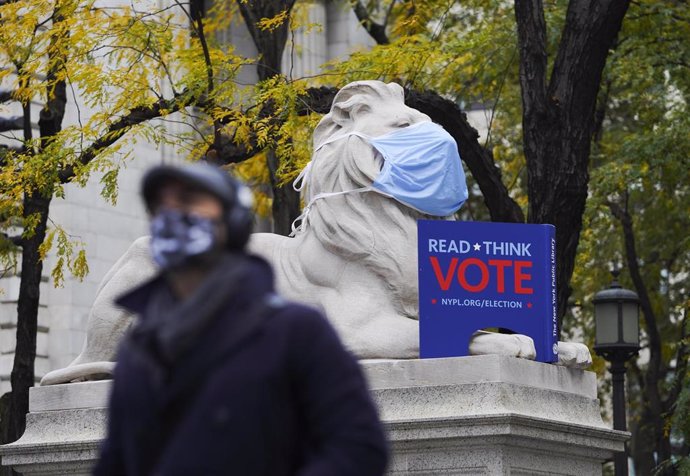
(64, 429)
(489, 414)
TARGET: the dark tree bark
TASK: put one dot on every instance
(270, 45)
(11, 123)
(558, 116)
(5, 95)
(35, 204)
(376, 30)
(22, 377)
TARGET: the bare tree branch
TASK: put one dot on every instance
(11, 123)
(682, 357)
(5, 148)
(118, 129)
(15, 240)
(6, 95)
(479, 160)
(376, 30)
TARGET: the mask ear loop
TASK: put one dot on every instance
(298, 185)
(299, 225)
(304, 216)
(303, 177)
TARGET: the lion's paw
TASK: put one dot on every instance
(512, 345)
(574, 355)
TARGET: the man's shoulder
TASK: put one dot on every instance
(291, 313)
(312, 343)
(299, 322)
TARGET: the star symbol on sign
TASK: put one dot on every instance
(529, 305)
(477, 247)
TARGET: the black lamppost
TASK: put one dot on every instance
(616, 315)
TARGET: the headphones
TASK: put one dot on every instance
(238, 214)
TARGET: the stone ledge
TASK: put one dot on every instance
(517, 430)
(479, 368)
(58, 448)
(70, 396)
(64, 428)
(486, 399)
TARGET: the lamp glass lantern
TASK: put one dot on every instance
(616, 315)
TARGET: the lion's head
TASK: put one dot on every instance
(370, 227)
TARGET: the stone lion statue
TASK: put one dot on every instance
(107, 323)
(354, 255)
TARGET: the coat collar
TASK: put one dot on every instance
(259, 282)
(246, 297)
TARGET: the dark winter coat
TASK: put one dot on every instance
(262, 389)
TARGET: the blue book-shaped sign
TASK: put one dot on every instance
(478, 275)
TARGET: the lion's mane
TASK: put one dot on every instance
(375, 225)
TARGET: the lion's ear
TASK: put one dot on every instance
(344, 113)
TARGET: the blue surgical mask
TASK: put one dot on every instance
(177, 238)
(421, 170)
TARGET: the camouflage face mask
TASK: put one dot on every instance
(178, 239)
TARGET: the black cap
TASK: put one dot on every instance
(204, 176)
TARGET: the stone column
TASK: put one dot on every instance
(305, 50)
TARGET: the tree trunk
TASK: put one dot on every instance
(558, 116)
(22, 377)
(642, 445)
(36, 204)
(270, 45)
(286, 201)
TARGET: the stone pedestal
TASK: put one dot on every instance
(64, 429)
(491, 415)
(488, 415)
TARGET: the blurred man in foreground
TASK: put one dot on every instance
(219, 375)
